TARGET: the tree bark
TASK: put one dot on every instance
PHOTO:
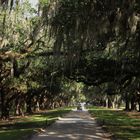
(133, 104)
(18, 108)
(4, 106)
(29, 105)
(127, 107)
(139, 106)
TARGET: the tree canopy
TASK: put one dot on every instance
(44, 50)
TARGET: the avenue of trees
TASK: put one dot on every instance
(44, 51)
(29, 78)
(101, 40)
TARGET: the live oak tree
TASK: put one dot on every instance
(18, 42)
(94, 42)
(100, 40)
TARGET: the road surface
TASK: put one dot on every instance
(76, 125)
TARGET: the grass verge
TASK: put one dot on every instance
(122, 125)
(20, 128)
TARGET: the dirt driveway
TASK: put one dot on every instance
(76, 125)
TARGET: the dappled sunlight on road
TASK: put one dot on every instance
(76, 125)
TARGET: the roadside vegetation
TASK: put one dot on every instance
(122, 125)
(22, 128)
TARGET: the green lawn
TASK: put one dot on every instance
(118, 123)
(22, 127)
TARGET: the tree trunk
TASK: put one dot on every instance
(29, 106)
(108, 102)
(114, 105)
(17, 112)
(5, 113)
(127, 107)
(19, 109)
(42, 103)
(139, 106)
(4, 106)
(133, 104)
(36, 107)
